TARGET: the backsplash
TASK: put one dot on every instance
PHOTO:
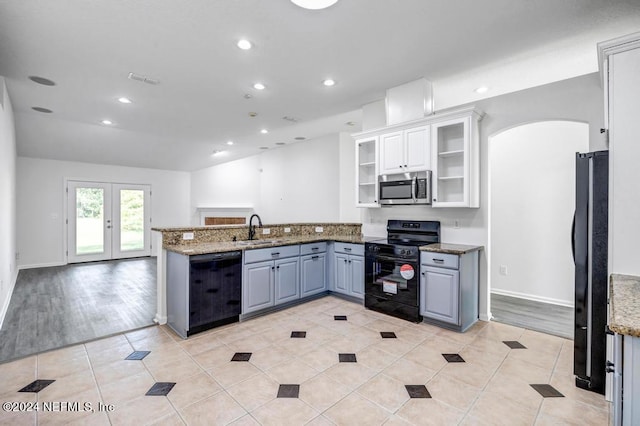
(173, 236)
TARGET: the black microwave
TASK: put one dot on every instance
(405, 188)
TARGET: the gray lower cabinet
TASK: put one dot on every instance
(266, 283)
(285, 275)
(257, 288)
(439, 289)
(348, 266)
(313, 274)
(449, 289)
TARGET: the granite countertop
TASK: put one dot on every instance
(450, 248)
(624, 299)
(225, 246)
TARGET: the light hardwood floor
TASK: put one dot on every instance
(544, 317)
(59, 306)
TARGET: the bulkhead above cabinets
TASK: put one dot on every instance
(445, 143)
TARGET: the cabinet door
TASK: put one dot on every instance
(391, 153)
(367, 172)
(286, 280)
(356, 266)
(418, 149)
(342, 275)
(439, 294)
(257, 288)
(313, 276)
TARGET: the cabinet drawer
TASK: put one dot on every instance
(313, 248)
(441, 260)
(271, 253)
(357, 249)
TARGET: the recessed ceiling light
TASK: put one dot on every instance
(483, 89)
(259, 86)
(244, 44)
(107, 122)
(124, 100)
(42, 80)
(329, 82)
(314, 4)
(229, 142)
(40, 109)
(264, 131)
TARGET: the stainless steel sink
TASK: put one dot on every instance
(257, 242)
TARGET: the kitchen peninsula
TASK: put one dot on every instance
(284, 265)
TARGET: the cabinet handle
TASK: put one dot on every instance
(278, 267)
(272, 268)
(405, 165)
(349, 261)
(438, 260)
(315, 257)
(275, 254)
(345, 260)
(435, 200)
(423, 273)
(315, 248)
(347, 249)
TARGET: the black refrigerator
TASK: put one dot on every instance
(590, 243)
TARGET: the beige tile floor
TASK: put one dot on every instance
(490, 388)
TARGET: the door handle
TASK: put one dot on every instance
(573, 237)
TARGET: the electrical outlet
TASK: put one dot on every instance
(287, 230)
(319, 229)
(17, 256)
(266, 231)
(503, 270)
(456, 223)
(187, 236)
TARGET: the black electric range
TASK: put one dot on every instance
(392, 268)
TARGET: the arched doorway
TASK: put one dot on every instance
(531, 206)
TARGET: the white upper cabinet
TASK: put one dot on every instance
(456, 161)
(367, 172)
(405, 151)
(446, 143)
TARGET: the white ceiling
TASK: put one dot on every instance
(89, 47)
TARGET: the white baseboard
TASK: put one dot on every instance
(533, 297)
(5, 305)
(41, 265)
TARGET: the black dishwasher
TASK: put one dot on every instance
(203, 291)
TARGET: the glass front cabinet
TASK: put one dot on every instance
(455, 163)
(367, 172)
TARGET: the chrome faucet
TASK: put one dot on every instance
(252, 229)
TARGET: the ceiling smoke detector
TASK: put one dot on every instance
(314, 4)
(143, 78)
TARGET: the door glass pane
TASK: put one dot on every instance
(131, 219)
(89, 220)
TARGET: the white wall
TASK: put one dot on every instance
(575, 99)
(532, 200)
(293, 184)
(41, 202)
(8, 269)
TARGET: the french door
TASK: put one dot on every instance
(107, 221)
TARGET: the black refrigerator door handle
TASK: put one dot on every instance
(573, 237)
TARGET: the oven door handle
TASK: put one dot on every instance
(394, 259)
